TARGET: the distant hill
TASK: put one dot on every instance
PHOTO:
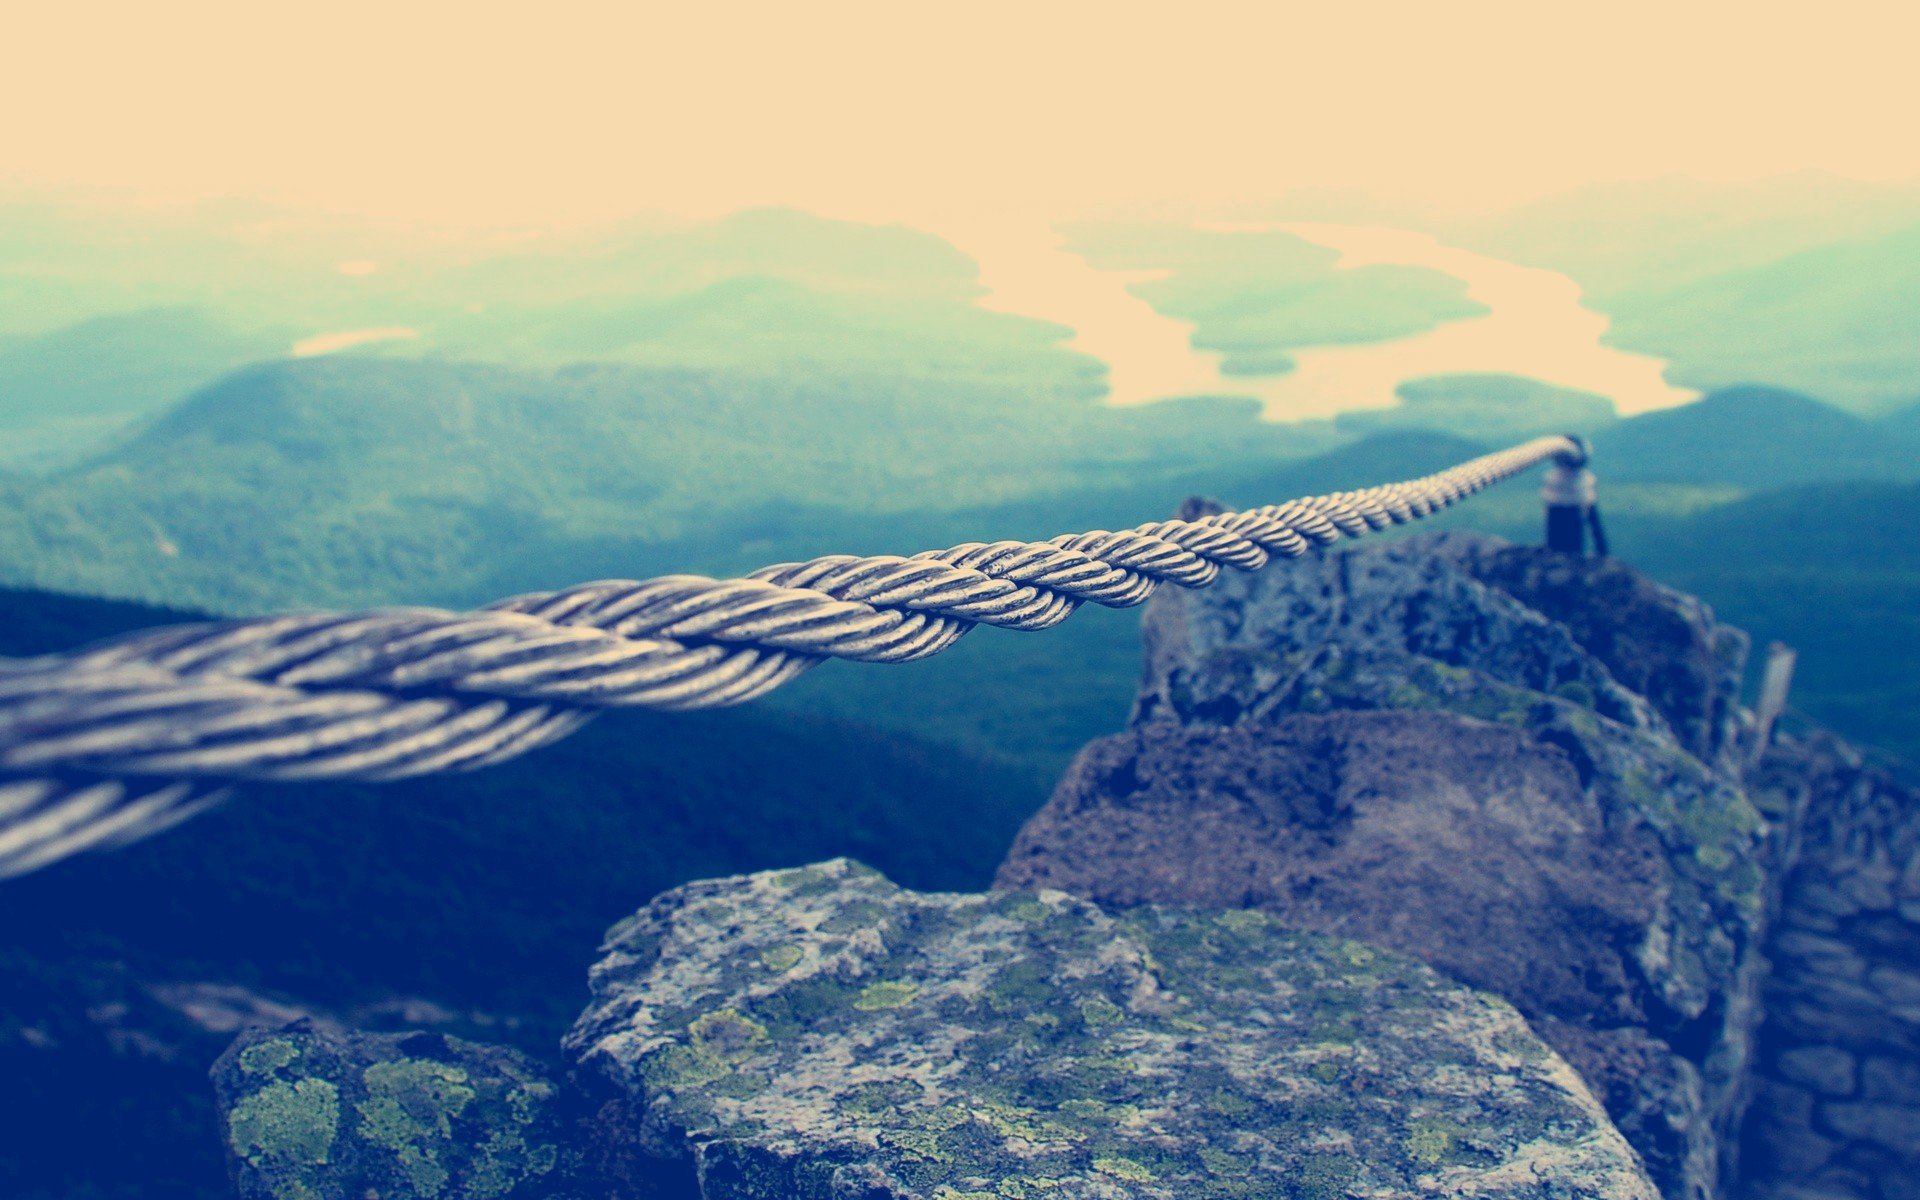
(1842, 320)
(1487, 408)
(887, 294)
(66, 391)
(1833, 569)
(1903, 422)
(1621, 239)
(1808, 281)
(356, 480)
(1755, 437)
(108, 315)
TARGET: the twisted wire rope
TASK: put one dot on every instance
(117, 741)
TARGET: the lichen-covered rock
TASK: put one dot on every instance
(1388, 745)
(1270, 642)
(823, 1033)
(313, 1115)
(1658, 643)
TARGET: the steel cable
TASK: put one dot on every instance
(116, 741)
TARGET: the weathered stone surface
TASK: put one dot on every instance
(1470, 844)
(1388, 745)
(315, 1115)
(823, 1033)
(1894, 1127)
(1269, 642)
(1846, 969)
(1660, 644)
(1828, 1070)
(1783, 1142)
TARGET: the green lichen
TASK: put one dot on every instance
(781, 958)
(1230, 1104)
(1247, 922)
(286, 1124)
(1219, 1162)
(854, 917)
(1024, 1124)
(1123, 1168)
(726, 1035)
(409, 1111)
(1026, 909)
(504, 1162)
(681, 1067)
(524, 1101)
(1154, 1053)
(1021, 987)
(1575, 692)
(1428, 1143)
(264, 1058)
(918, 1144)
(1713, 858)
(886, 994)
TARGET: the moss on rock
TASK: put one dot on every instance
(317, 1116)
(1033, 1045)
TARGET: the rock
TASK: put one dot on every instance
(1823, 955)
(1849, 993)
(1393, 744)
(1271, 642)
(1468, 844)
(1894, 1127)
(1783, 1141)
(309, 1114)
(1660, 644)
(823, 1033)
(1826, 1069)
(1899, 985)
(1891, 1079)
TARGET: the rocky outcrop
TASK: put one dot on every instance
(1662, 645)
(1836, 1111)
(1227, 958)
(309, 1114)
(821, 1032)
(1445, 747)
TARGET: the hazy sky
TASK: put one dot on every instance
(560, 112)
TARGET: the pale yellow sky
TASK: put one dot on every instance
(558, 113)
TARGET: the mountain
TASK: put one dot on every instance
(1486, 408)
(353, 480)
(1905, 422)
(63, 391)
(1832, 569)
(106, 315)
(1840, 319)
(1624, 239)
(1754, 437)
(661, 292)
(1807, 281)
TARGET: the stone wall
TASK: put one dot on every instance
(1836, 1102)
